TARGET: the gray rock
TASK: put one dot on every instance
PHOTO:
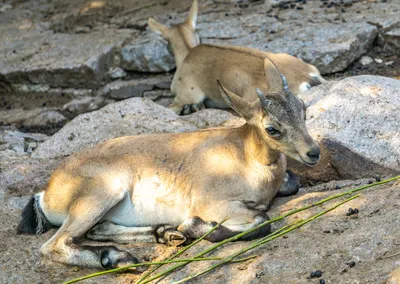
(46, 119)
(129, 117)
(117, 73)
(18, 116)
(357, 122)
(37, 56)
(157, 94)
(161, 97)
(5, 8)
(148, 53)
(392, 41)
(366, 60)
(330, 47)
(84, 104)
(19, 142)
(135, 87)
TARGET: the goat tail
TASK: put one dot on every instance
(33, 221)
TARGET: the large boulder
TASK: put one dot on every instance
(148, 53)
(37, 56)
(357, 122)
(329, 46)
(129, 117)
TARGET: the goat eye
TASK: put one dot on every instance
(272, 131)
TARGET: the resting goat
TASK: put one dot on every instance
(240, 68)
(170, 187)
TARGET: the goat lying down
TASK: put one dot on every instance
(240, 68)
(168, 188)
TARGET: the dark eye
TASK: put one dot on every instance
(272, 131)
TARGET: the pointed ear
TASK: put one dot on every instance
(192, 17)
(236, 103)
(157, 27)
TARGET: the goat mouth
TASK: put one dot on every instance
(308, 163)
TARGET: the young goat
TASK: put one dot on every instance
(240, 68)
(170, 187)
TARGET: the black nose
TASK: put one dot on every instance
(314, 153)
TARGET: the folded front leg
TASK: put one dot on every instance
(195, 227)
(108, 231)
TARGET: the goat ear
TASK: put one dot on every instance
(192, 17)
(157, 27)
(236, 103)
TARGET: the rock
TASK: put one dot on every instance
(117, 73)
(5, 8)
(36, 56)
(84, 104)
(212, 117)
(18, 116)
(330, 47)
(30, 96)
(135, 87)
(45, 121)
(147, 54)
(378, 60)
(20, 143)
(366, 60)
(157, 94)
(161, 97)
(356, 121)
(392, 41)
(129, 117)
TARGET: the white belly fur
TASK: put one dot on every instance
(152, 203)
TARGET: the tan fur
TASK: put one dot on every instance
(240, 69)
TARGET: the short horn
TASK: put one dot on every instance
(264, 101)
(284, 84)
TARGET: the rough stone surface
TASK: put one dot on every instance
(366, 60)
(129, 117)
(326, 46)
(84, 104)
(136, 87)
(147, 54)
(357, 121)
(45, 119)
(392, 40)
(34, 55)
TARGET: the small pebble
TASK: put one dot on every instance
(321, 281)
(338, 187)
(378, 179)
(351, 263)
(370, 181)
(316, 274)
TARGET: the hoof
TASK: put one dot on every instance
(191, 108)
(290, 185)
(169, 236)
(114, 258)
